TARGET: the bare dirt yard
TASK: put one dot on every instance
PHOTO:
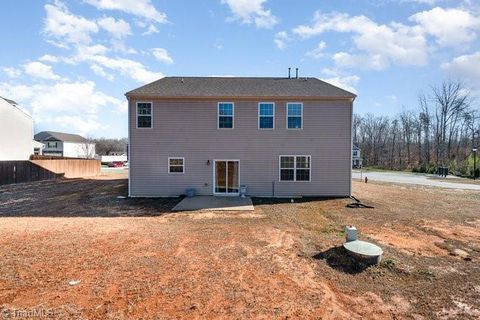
(135, 259)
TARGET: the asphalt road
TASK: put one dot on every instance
(419, 179)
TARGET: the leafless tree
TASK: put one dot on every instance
(441, 131)
(87, 148)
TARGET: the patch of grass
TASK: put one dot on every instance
(388, 263)
(379, 169)
(427, 274)
(333, 229)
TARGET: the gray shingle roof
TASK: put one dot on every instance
(177, 87)
(60, 136)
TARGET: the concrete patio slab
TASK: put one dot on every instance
(210, 203)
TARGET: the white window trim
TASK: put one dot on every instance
(136, 112)
(294, 168)
(273, 116)
(183, 166)
(218, 116)
(287, 116)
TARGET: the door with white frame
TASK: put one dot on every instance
(226, 177)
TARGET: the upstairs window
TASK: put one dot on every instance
(144, 115)
(176, 165)
(294, 168)
(52, 144)
(294, 115)
(225, 115)
(266, 115)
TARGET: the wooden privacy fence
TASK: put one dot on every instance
(36, 170)
(71, 168)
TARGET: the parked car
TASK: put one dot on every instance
(115, 164)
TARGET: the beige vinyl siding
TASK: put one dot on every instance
(186, 128)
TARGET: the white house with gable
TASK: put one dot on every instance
(16, 132)
(59, 144)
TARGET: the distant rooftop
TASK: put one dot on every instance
(60, 136)
(17, 106)
(177, 87)
(13, 103)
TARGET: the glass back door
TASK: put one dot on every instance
(226, 177)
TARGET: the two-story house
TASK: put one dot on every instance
(16, 131)
(356, 157)
(59, 144)
(276, 136)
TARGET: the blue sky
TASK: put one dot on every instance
(69, 63)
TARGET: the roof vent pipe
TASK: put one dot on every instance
(289, 73)
(296, 73)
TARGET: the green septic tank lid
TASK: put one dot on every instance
(362, 248)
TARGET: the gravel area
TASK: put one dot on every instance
(418, 179)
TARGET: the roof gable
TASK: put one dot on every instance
(59, 136)
(210, 87)
(16, 106)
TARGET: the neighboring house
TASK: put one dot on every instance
(276, 136)
(117, 153)
(38, 148)
(115, 157)
(68, 145)
(356, 157)
(16, 131)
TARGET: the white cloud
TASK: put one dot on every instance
(393, 43)
(95, 56)
(77, 97)
(126, 67)
(373, 62)
(380, 45)
(451, 27)
(252, 11)
(117, 28)
(99, 71)
(84, 125)
(64, 26)
(318, 52)
(84, 52)
(64, 102)
(429, 2)
(48, 58)
(344, 81)
(57, 44)
(40, 70)
(281, 38)
(162, 55)
(465, 66)
(140, 8)
(12, 72)
(150, 30)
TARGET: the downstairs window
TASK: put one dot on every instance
(294, 168)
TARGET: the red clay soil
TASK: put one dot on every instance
(135, 259)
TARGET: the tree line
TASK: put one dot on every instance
(107, 146)
(440, 131)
